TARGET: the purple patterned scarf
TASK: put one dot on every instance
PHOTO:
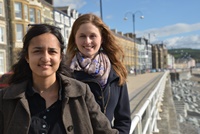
(99, 67)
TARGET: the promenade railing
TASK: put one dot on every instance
(145, 120)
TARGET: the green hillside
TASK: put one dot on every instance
(185, 52)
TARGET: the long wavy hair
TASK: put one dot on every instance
(21, 69)
(109, 45)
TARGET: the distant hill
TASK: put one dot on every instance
(185, 52)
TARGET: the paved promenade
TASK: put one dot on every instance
(166, 125)
(169, 123)
(135, 82)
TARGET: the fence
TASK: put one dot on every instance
(145, 121)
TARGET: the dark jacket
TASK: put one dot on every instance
(113, 99)
(81, 113)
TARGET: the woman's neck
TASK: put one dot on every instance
(45, 84)
(48, 89)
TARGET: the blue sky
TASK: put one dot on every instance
(174, 22)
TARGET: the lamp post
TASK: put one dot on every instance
(101, 9)
(134, 35)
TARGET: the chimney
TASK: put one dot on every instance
(114, 30)
(120, 33)
(130, 35)
(50, 2)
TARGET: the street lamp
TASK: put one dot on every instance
(133, 18)
(134, 35)
(101, 9)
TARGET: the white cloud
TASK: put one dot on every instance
(173, 29)
(178, 31)
(74, 4)
(192, 41)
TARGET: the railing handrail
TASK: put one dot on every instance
(137, 119)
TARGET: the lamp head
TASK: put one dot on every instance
(125, 18)
(142, 17)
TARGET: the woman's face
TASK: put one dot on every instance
(88, 39)
(44, 55)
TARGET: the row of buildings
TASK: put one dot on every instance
(15, 15)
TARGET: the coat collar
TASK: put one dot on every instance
(113, 75)
(83, 76)
(71, 87)
(15, 91)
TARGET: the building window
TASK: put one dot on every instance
(18, 10)
(67, 21)
(57, 17)
(62, 18)
(32, 15)
(38, 16)
(25, 12)
(19, 32)
(2, 62)
(1, 9)
(2, 34)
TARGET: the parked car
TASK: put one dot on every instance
(153, 70)
(158, 70)
(4, 79)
